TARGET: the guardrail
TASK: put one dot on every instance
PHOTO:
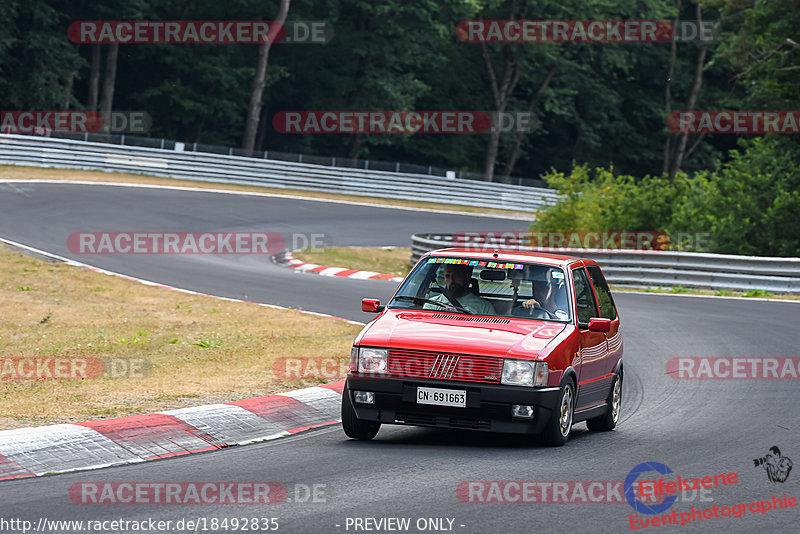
(72, 154)
(293, 157)
(664, 268)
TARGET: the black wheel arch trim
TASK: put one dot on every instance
(569, 373)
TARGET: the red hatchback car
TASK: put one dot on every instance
(503, 341)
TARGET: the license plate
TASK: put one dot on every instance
(442, 397)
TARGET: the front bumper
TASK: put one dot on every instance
(488, 405)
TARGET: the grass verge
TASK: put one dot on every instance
(199, 350)
(16, 172)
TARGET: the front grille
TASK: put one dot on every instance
(444, 366)
(462, 422)
(451, 422)
(415, 419)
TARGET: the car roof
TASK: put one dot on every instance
(510, 255)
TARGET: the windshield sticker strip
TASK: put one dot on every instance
(457, 261)
(478, 263)
(493, 265)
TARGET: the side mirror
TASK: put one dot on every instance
(597, 324)
(371, 306)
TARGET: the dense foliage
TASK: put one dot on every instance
(598, 105)
(748, 200)
(748, 205)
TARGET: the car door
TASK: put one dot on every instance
(609, 311)
(594, 346)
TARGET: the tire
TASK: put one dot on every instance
(559, 427)
(608, 420)
(353, 426)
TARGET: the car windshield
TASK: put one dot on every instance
(481, 287)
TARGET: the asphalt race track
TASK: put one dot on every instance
(696, 427)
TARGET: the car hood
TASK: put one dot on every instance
(461, 334)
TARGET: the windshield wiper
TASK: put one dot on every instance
(442, 304)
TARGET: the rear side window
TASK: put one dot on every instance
(584, 297)
(607, 308)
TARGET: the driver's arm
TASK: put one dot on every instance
(530, 303)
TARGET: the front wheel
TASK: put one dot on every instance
(559, 427)
(608, 420)
(353, 426)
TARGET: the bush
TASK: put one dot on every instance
(746, 206)
(755, 201)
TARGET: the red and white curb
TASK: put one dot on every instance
(286, 258)
(30, 452)
(36, 451)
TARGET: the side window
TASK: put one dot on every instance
(584, 297)
(607, 308)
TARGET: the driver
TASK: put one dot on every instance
(456, 278)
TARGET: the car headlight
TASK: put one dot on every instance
(521, 373)
(354, 359)
(373, 360)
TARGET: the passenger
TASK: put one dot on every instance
(456, 278)
(541, 298)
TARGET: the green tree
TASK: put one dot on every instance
(36, 58)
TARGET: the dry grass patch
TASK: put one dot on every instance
(387, 260)
(200, 350)
(16, 172)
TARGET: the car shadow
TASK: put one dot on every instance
(399, 435)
